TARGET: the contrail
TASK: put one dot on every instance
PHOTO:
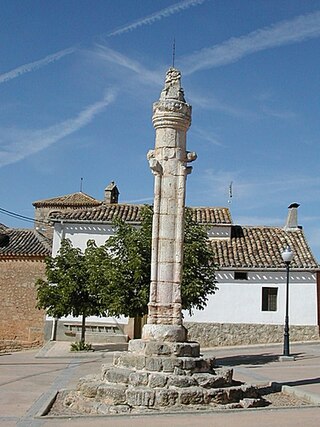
(163, 13)
(27, 68)
(31, 66)
(301, 28)
(16, 144)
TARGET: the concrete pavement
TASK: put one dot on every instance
(29, 379)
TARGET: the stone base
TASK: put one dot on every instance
(286, 358)
(159, 375)
(173, 333)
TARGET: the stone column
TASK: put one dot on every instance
(168, 162)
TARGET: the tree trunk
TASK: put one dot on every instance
(83, 328)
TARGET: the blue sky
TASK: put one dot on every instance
(78, 79)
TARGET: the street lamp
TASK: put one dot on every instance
(287, 256)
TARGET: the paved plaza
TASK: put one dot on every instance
(29, 379)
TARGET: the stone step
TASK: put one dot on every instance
(165, 363)
(164, 348)
(220, 377)
(111, 395)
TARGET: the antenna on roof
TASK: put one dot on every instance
(230, 193)
(173, 52)
(81, 182)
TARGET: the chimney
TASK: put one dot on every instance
(111, 193)
(292, 219)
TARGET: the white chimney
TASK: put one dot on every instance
(292, 219)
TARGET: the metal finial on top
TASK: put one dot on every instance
(173, 52)
(81, 182)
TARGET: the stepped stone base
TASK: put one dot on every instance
(155, 375)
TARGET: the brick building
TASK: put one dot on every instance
(22, 254)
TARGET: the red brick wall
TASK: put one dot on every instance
(21, 323)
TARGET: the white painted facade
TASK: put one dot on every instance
(79, 234)
(236, 301)
(240, 301)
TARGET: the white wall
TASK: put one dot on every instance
(79, 234)
(236, 301)
(241, 301)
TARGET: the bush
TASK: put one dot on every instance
(81, 346)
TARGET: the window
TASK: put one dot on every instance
(269, 299)
(240, 275)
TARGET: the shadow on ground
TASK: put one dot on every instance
(250, 359)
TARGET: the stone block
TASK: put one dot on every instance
(225, 373)
(118, 375)
(88, 389)
(181, 381)
(188, 363)
(166, 397)
(217, 396)
(170, 363)
(204, 365)
(206, 380)
(235, 394)
(119, 409)
(179, 371)
(137, 346)
(153, 364)
(156, 348)
(250, 391)
(191, 396)
(112, 394)
(129, 360)
(140, 396)
(104, 368)
(252, 403)
(188, 349)
(157, 380)
(138, 378)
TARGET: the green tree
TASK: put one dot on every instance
(130, 265)
(72, 285)
(114, 279)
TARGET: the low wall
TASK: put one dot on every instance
(13, 345)
(228, 334)
(95, 332)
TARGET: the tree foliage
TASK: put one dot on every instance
(72, 285)
(114, 279)
(130, 248)
(198, 274)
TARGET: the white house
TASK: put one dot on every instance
(249, 306)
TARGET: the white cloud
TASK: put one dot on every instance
(111, 55)
(278, 114)
(157, 16)
(291, 31)
(32, 66)
(16, 144)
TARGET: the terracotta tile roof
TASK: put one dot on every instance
(261, 247)
(72, 200)
(132, 213)
(212, 215)
(23, 242)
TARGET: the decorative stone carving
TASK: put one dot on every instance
(168, 162)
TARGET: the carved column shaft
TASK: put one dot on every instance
(168, 162)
